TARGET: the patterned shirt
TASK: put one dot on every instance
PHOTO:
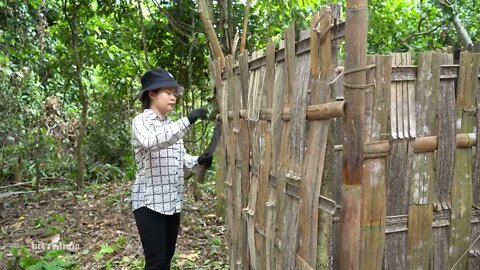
(161, 159)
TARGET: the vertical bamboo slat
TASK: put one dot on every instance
(232, 233)
(265, 163)
(476, 173)
(320, 61)
(399, 172)
(324, 182)
(242, 156)
(475, 260)
(220, 153)
(243, 151)
(338, 89)
(275, 194)
(289, 208)
(445, 155)
(323, 179)
(256, 135)
(459, 238)
(284, 157)
(420, 213)
(374, 204)
(229, 97)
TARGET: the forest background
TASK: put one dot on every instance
(70, 70)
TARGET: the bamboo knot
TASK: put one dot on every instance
(469, 110)
(355, 8)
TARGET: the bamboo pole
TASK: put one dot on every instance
(314, 112)
(421, 144)
(354, 125)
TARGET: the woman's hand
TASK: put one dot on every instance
(206, 160)
(196, 114)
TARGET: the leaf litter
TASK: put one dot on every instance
(97, 228)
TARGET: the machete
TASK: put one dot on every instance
(217, 132)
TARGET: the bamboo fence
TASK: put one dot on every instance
(281, 156)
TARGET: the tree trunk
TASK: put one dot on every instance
(462, 32)
(17, 173)
(142, 27)
(82, 96)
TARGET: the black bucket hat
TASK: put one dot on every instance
(155, 79)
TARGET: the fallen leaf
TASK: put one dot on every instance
(53, 238)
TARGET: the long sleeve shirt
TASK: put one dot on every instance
(161, 159)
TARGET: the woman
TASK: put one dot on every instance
(160, 156)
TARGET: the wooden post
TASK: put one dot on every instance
(354, 122)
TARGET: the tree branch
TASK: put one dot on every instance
(462, 33)
(404, 40)
(211, 35)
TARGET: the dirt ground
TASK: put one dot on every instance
(96, 229)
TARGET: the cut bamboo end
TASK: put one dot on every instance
(323, 111)
(421, 145)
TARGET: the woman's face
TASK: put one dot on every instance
(164, 100)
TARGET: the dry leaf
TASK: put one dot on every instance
(53, 238)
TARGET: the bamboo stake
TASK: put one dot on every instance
(245, 27)
(353, 123)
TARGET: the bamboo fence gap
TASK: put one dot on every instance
(284, 114)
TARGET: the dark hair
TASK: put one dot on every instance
(146, 101)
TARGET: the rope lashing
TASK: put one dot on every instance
(352, 71)
(359, 86)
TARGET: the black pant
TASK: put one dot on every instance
(158, 234)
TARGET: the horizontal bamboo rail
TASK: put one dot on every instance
(421, 145)
(409, 73)
(314, 112)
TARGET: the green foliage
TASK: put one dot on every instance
(57, 217)
(109, 249)
(105, 249)
(39, 223)
(37, 63)
(54, 259)
(402, 25)
(118, 198)
(132, 263)
(270, 18)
